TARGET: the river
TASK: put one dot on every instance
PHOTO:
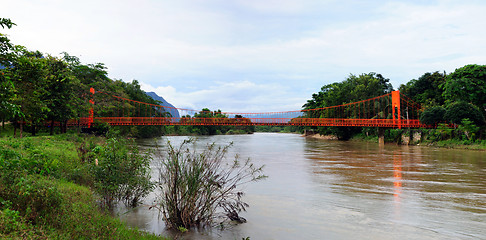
(327, 189)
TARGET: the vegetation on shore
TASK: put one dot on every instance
(454, 102)
(48, 190)
(64, 186)
(443, 137)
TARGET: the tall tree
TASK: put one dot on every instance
(426, 90)
(5, 46)
(30, 75)
(7, 88)
(61, 97)
(353, 89)
(468, 84)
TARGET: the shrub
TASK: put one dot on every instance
(100, 128)
(198, 187)
(393, 135)
(122, 173)
(469, 129)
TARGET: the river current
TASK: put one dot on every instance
(327, 189)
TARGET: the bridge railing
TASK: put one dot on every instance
(391, 123)
(389, 110)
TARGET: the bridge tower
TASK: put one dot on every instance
(396, 109)
(91, 111)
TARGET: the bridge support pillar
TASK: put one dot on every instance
(381, 136)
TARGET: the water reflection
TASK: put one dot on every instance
(397, 183)
(429, 189)
(397, 176)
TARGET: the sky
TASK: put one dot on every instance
(253, 55)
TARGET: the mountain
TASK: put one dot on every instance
(168, 107)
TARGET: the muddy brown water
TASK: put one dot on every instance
(327, 189)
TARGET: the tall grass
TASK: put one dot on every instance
(197, 188)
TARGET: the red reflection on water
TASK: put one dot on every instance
(397, 183)
(397, 176)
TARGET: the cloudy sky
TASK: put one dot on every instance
(253, 55)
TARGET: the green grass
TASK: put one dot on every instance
(42, 194)
(75, 217)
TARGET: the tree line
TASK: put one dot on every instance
(456, 99)
(40, 89)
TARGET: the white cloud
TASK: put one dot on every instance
(236, 97)
(204, 53)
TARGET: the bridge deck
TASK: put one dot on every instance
(337, 122)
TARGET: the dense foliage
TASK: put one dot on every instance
(457, 98)
(426, 90)
(206, 113)
(467, 84)
(353, 89)
(39, 89)
(457, 111)
(433, 115)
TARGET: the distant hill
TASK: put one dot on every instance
(170, 108)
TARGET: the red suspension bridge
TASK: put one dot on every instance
(392, 110)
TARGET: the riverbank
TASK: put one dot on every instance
(45, 193)
(402, 139)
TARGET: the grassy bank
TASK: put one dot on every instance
(45, 191)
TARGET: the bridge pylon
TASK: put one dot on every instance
(91, 111)
(396, 109)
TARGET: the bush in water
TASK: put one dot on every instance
(200, 187)
(122, 173)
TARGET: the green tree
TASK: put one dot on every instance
(467, 84)
(353, 89)
(458, 111)
(61, 97)
(5, 46)
(96, 76)
(7, 88)
(206, 115)
(426, 90)
(7, 95)
(433, 115)
(30, 75)
(469, 129)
